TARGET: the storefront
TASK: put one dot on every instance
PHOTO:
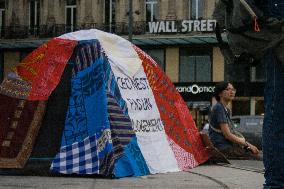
(199, 98)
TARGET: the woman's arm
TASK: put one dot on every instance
(235, 139)
(230, 136)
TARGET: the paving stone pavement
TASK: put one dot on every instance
(240, 174)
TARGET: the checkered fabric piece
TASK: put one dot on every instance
(80, 157)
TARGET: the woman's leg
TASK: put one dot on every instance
(238, 152)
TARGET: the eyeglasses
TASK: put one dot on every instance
(231, 89)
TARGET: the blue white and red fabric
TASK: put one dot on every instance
(125, 117)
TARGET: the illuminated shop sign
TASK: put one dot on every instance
(204, 91)
(200, 91)
(183, 26)
(195, 89)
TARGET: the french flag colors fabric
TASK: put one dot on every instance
(124, 116)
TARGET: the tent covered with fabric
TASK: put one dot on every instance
(90, 102)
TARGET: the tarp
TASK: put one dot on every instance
(119, 114)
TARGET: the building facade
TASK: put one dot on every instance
(178, 34)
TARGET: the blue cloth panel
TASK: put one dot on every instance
(87, 112)
(132, 163)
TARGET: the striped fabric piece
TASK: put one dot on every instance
(85, 54)
(121, 134)
(120, 124)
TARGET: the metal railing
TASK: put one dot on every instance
(47, 31)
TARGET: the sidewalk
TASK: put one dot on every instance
(240, 175)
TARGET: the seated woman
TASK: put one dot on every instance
(221, 131)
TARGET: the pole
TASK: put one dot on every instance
(110, 15)
(130, 21)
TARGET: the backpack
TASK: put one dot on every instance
(249, 33)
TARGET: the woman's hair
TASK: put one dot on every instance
(219, 87)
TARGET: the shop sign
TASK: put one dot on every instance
(183, 26)
(195, 89)
(200, 91)
(204, 91)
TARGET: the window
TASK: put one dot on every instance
(2, 17)
(158, 55)
(259, 107)
(34, 17)
(195, 65)
(110, 15)
(258, 72)
(241, 107)
(196, 9)
(151, 10)
(70, 15)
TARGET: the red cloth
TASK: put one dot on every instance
(44, 67)
(178, 122)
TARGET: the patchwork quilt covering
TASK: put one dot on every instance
(125, 117)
